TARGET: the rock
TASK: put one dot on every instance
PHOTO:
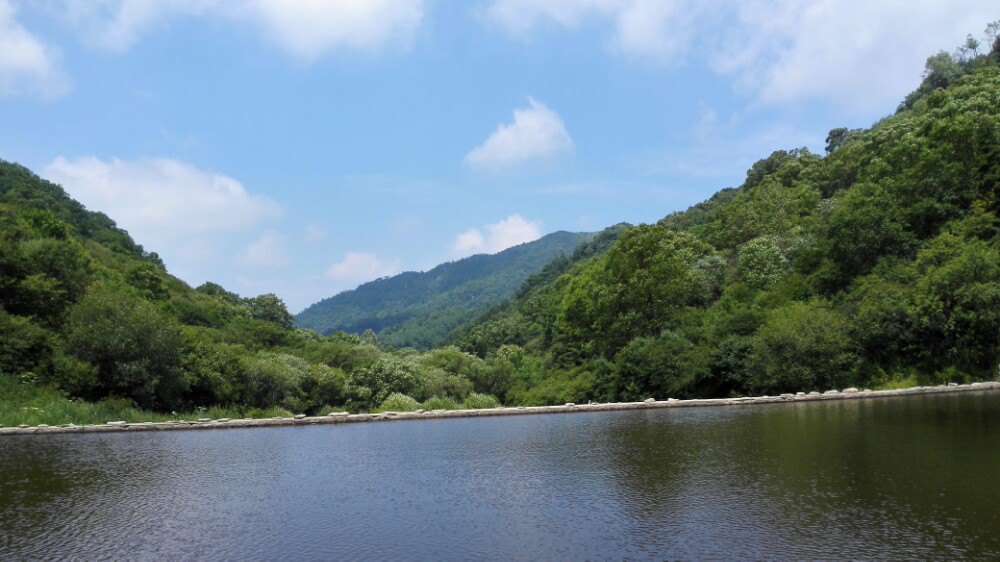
(570, 404)
(800, 393)
(650, 400)
(786, 395)
(337, 414)
(116, 423)
(953, 384)
(42, 425)
(391, 413)
(814, 393)
(832, 392)
(300, 416)
(976, 384)
(223, 420)
(23, 426)
(850, 390)
(203, 420)
(420, 410)
(672, 400)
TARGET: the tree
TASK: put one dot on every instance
(270, 308)
(803, 346)
(135, 347)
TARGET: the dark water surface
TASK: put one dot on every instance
(915, 477)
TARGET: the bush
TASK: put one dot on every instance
(397, 402)
(477, 401)
(440, 403)
(135, 347)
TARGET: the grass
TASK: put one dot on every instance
(28, 404)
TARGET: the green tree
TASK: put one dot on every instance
(803, 346)
(135, 347)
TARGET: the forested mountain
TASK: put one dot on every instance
(420, 309)
(875, 263)
(87, 314)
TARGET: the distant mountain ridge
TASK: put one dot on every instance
(420, 309)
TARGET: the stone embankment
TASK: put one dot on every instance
(649, 403)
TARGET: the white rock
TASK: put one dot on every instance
(850, 389)
(203, 420)
(814, 393)
(116, 423)
(649, 400)
(41, 425)
(570, 404)
(832, 392)
(222, 420)
(338, 414)
(800, 393)
(953, 384)
(300, 416)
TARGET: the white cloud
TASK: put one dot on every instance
(306, 29)
(499, 236)
(363, 266)
(852, 52)
(268, 251)
(171, 207)
(536, 132)
(859, 54)
(27, 65)
(648, 29)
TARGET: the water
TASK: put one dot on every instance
(908, 477)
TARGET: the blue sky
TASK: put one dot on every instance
(303, 147)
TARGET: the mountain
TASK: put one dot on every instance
(877, 263)
(94, 328)
(420, 309)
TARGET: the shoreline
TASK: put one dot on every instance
(344, 417)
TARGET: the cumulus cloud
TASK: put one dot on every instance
(306, 29)
(362, 266)
(27, 65)
(498, 236)
(648, 29)
(856, 53)
(171, 207)
(853, 52)
(536, 132)
(266, 252)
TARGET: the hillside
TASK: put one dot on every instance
(93, 327)
(420, 309)
(877, 263)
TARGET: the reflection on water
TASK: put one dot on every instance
(903, 477)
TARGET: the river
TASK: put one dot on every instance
(912, 477)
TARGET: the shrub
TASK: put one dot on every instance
(397, 402)
(440, 403)
(477, 401)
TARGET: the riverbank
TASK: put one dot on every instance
(343, 417)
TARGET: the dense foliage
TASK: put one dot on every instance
(86, 313)
(876, 262)
(421, 309)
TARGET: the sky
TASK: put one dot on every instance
(302, 147)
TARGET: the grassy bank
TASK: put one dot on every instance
(32, 405)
